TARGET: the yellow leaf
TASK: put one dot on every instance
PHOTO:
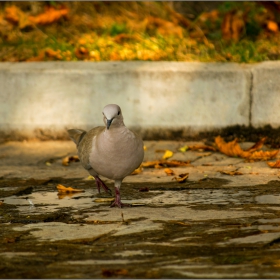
(169, 171)
(167, 154)
(137, 171)
(101, 200)
(145, 148)
(62, 188)
(184, 149)
(67, 160)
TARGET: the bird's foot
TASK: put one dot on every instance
(117, 202)
(100, 183)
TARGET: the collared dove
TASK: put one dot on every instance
(112, 151)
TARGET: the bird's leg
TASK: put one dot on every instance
(100, 183)
(117, 202)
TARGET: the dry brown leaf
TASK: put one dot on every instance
(182, 178)
(50, 15)
(232, 25)
(164, 27)
(169, 171)
(81, 52)
(16, 16)
(233, 149)
(47, 54)
(231, 173)
(274, 164)
(263, 155)
(1, 203)
(67, 160)
(62, 188)
(257, 146)
(165, 163)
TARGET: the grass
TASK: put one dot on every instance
(106, 31)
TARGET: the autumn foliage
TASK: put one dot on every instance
(233, 149)
(98, 31)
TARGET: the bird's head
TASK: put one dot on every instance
(112, 116)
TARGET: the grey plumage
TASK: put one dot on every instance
(112, 151)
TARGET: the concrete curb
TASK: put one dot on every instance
(41, 100)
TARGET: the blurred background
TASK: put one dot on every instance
(149, 31)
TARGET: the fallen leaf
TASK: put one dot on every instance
(47, 54)
(263, 155)
(231, 173)
(1, 203)
(165, 163)
(62, 188)
(182, 178)
(101, 200)
(137, 171)
(167, 154)
(16, 16)
(257, 146)
(169, 171)
(81, 52)
(67, 160)
(272, 26)
(274, 164)
(233, 25)
(50, 15)
(234, 150)
(183, 149)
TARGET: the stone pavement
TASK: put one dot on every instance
(211, 226)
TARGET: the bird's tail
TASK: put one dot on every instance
(76, 135)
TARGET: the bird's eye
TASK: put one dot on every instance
(119, 112)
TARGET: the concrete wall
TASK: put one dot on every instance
(44, 99)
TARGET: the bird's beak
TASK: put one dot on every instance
(109, 123)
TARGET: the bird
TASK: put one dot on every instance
(112, 151)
